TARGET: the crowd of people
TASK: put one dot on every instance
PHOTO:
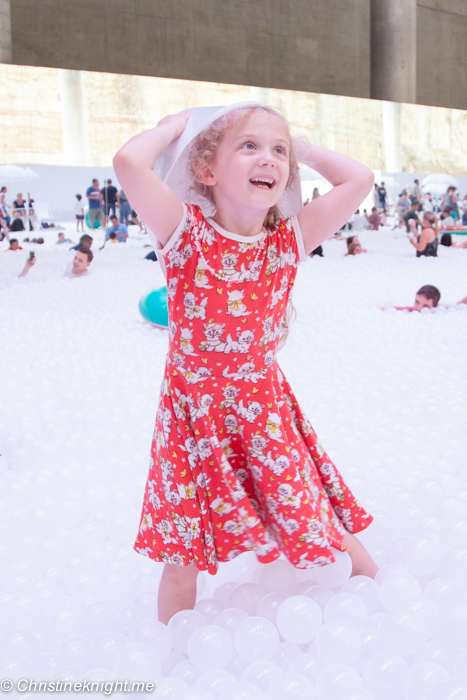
(428, 222)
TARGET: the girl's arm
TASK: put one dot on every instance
(422, 243)
(352, 182)
(154, 201)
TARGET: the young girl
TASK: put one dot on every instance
(79, 213)
(235, 464)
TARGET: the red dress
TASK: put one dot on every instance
(235, 464)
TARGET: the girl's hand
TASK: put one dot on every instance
(176, 121)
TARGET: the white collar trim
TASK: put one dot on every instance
(236, 236)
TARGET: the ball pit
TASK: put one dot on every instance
(385, 393)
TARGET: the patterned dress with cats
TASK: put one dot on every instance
(235, 464)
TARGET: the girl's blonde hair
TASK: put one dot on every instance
(204, 148)
(433, 221)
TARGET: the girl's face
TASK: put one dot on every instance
(357, 249)
(251, 167)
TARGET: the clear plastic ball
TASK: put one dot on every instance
(268, 607)
(338, 642)
(246, 596)
(386, 676)
(336, 574)
(336, 679)
(216, 681)
(427, 676)
(210, 608)
(346, 606)
(398, 588)
(229, 619)
(278, 576)
(291, 686)
(170, 689)
(182, 625)
(366, 589)
(262, 674)
(210, 648)
(307, 665)
(138, 662)
(256, 639)
(298, 619)
(403, 632)
(242, 691)
(155, 634)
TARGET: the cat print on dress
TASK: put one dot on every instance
(235, 464)
(192, 309)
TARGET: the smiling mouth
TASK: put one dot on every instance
(265, 183)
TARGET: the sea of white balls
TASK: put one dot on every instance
(386, 393)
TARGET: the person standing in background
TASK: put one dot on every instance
(94, 196)
(382, 196)
(79, 213)
(125, 208)
(110, 200)
(4, 206)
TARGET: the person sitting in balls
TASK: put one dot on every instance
(85, 241)
(120, 231)
(14, 245)
(79, 266)
(427, 297)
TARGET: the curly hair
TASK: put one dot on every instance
(204, 148)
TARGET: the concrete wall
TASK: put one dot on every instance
(442, 53)
(309, 45)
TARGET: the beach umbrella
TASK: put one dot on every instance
(440, 179)
(17, 173)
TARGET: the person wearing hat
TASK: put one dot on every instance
(235, 464)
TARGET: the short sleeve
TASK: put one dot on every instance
(298, 235)
(163, 250)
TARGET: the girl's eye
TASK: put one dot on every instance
(280, 150)
(249, 145)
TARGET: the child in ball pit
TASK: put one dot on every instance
(235, 464)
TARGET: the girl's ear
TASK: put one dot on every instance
(205, 175)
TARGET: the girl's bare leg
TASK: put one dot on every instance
(177, 590)
(362, 563)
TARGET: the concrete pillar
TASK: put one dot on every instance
(393, 50)
(261, 95)
(5, 32)
(392, 134)
(74, 119)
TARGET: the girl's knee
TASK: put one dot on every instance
(182, 575)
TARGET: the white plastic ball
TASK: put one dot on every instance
(291, 686)
(338, 642)
(336, 574)
(386, 676)
(403, 632)
(427, 676)
(346, 606)
(366, 589)
(262, 674)
(440, 591)
(255, 639)
(336, 679)
(242, 691)
(307, 665)
(170, 689)
(105, 648)
(279, 576)
(246, 596)
(182, 625)
(229, 619)
(185, 671)
(138, 662)
(155, 634)
(210, 648)
(215, 682)
(398, 588)
(421, 555)
(210, 608)
(298, 619)
(268, 607)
